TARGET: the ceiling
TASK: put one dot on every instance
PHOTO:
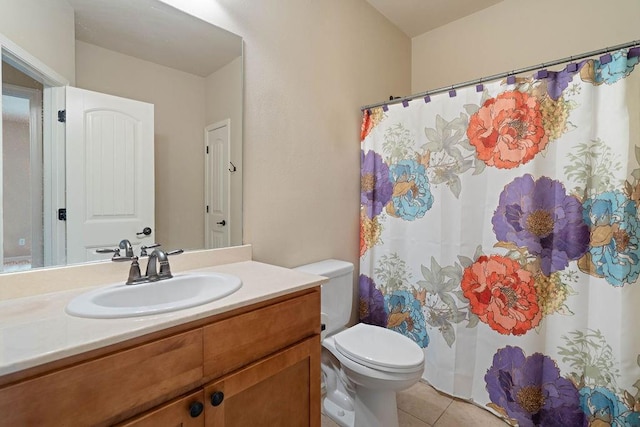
(155, 32)
(415, 17)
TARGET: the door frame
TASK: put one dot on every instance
(53, 147)
(208, 244)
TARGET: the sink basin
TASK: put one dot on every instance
(177, 293)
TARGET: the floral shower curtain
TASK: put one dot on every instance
(500, 230)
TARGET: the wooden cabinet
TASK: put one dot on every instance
(262, 363)
(280, 390)
(187, 411)
(90, 392)
(240, 340)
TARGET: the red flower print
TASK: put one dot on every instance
(367, 125)
(370, 119)
(502, 294)
(507, 131)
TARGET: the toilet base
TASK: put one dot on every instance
(373, 408)
(342, 417)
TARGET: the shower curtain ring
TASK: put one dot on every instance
(606, 58)
(542, 72)
(572, 67)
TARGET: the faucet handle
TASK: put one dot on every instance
(115, 252)
(165, 268)
(123, 258)
(143, 249)
(134, 271)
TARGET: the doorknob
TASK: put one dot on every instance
(222, 223)
(145, 231)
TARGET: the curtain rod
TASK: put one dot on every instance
(502, 75)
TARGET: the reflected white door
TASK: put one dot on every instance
(217, 185)
(110, 181)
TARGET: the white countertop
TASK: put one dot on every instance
(36, 329)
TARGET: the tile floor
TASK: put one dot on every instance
(423, 406)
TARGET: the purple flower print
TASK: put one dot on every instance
(558, 81)
(372, 305)
(375, 187)
(540, 216)
(531, 390)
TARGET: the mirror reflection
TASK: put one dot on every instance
(147, 51)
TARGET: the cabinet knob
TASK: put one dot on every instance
(217, 398)
(195, 409)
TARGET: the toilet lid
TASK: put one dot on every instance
(379, 348)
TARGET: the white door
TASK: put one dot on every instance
(217, 185)
(110, 181)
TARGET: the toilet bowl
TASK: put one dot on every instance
(377, 362)
(363, 366)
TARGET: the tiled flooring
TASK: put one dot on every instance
(423, 406)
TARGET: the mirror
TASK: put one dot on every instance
(191, 71)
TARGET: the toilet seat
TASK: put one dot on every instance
(379, 348)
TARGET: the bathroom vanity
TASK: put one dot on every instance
(249, 359)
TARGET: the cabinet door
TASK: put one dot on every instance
(104, 390)
(281, 390)
(235, 342)
(187, 411)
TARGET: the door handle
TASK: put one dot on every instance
(222, 223)
(145, 231)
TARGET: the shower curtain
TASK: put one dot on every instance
(500, 230)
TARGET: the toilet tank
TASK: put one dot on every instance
(336, 293)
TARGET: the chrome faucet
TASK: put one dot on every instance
(158, 256)
(153, 273)
(128, 249)
(134, 272)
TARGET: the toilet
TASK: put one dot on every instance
(363, 366)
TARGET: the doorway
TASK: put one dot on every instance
(32, 170)
(22, 184)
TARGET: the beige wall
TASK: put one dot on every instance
(309, 66)
(516, 34)
(224, 101)
(179, 100)
(15, 77)
(45, 29)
